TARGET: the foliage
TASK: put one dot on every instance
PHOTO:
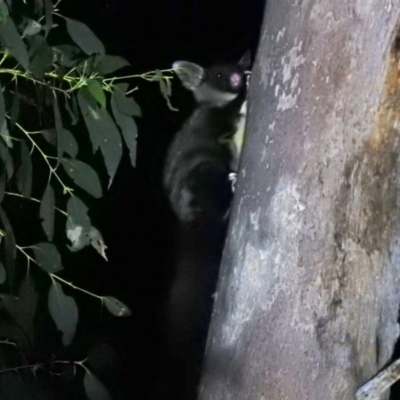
(52, 92)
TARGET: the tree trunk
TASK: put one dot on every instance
(308, 295)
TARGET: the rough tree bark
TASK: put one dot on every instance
(308, 297)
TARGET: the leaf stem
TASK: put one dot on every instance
(70, 284)
(66, 189)
(33, 199)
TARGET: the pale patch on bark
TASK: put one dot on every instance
(290, 78)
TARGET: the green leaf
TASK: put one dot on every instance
(14, 109)
(64, 312)
(2, 185)
(59, 127)
(15, 334)
(32, 28)
(94, 389)
(38, 8)
(34, 44)
(73, 112)
(90, 112)
(95, 89)
(10, 246)
(84, 37)
(111, 143)
(42, 60)
(48, 257)
(49, 16)
(3, 274)
(24, 175)
(4, 12)
(77, 212)
(7, 160)
(97, 241)
(67, 143)
(128, 128)
(116, 307)
(5, 134)
(22, 308)
(126, 105)
(103, 133)
(83, 175)
(66, 55)
(109, 64)
(50, 135)
(78, 224)
(11, 39)
(2, 108)
(47, 212)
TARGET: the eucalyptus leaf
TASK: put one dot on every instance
(116, 307)
(95, 89)
(14, 109)
(78, 224)
(102, 131)
(5, 155)
(73, 111)
(84, 176)
(67, 143)
(94, 389)
(59, 127)
(10, 246)
(128, 128)
(22, 308)
(109, 64)
(16, 334)
(34, 44)
(2, 108)
(4, 13)
(47, 212)
(66, 55)
(3, 274)
(77, 212)
(13, 42)
(47, 257)
(5, 135)
(126, 105)
(111, 143)
(2, 185)
(64, 312)
(84, 37)
(97, 241)
(50, 135)
(49, 16)
(90, 113)
(24, 175)
(32, 28)
(42, 61)
(38, 6)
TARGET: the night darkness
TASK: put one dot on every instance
(133, 217)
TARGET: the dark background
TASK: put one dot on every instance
(133, 217)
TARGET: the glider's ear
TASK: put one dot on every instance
(189, 73)
(245, 60)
